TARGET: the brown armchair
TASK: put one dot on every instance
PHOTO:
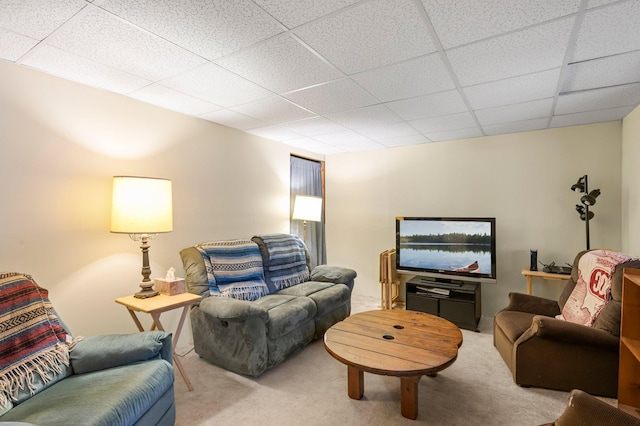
(546, 352)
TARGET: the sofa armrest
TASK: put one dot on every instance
(521, 302)
(585, 409)
(95, 353)
(556, 329)
(229, 309)
(333, 274)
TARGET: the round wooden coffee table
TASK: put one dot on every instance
(401, 343)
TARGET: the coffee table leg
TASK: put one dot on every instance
(355, 382)
(409, 397)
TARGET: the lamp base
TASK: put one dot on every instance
(146, 290)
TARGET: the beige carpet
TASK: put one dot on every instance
(310, 388)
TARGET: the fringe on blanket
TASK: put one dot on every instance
(22, 375)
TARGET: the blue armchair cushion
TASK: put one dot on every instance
(95, 353)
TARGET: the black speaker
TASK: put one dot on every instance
(534, 260)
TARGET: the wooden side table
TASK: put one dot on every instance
(154, 306)
(544, 275)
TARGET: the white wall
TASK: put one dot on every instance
(60, 145)
(523, 180)
(631, 182)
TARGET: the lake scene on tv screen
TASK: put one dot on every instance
(459, 246)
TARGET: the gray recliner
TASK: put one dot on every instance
(249, 337)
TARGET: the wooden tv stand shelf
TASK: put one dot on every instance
(458, 302)
(629, 370)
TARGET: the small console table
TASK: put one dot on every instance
(543, 275)
(156, 305)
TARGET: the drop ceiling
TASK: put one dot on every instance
(335, 76)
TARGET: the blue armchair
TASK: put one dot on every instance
(97, 380)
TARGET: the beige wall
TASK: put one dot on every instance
(60, 145)
(631, 182)
(523, 180)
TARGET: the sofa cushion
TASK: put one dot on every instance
(326, 296)
(117, 396)
(513, 323)
(286, 313)
(234, 269)
(112, 350)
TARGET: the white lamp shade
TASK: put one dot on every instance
(141, 205)
(307, 208)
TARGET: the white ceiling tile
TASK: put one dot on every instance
(72, 67)
(233, 119)
(374, 34)
(281, 65)
(364, 145)
(596, 99)
(434, 105)
(314, 126)
(602, 72)
(363, 117)
(404, 141)
(307, 143)
(419, 76)
(209, 28)
(535, 49)
(513, 90)
(590, 117)
(165, 97)
(217, 85)
(444, 123)
(14, 45)
(596, 3)
(472, 132)
(335, 96)
(609, 30)
(273, 110)
(36, 18)
(343, 137)
(297, 12)
(275, 132)
(516, 112)
(465, 21)
(386, 131)
(516, 126)
(99, 36)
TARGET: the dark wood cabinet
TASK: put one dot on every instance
(458, 302)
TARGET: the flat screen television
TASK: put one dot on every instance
(451, 249)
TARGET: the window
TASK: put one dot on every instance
(307, 178)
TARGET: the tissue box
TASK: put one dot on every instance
(169, 287)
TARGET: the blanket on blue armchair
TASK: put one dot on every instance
(287, 264)
(32, 340)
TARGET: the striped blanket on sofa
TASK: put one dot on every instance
(286, 263)
(32, 339)
(234, 269)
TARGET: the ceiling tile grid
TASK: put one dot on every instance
(345, 75)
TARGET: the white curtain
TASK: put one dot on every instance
(306, 179)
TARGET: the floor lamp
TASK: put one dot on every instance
(587, 200)
(142, 208)
(307, 208)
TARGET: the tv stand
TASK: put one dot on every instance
(457, 301)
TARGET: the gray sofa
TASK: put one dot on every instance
(104, 380)
(251, 336)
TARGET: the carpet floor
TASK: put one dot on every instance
(310, 388)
